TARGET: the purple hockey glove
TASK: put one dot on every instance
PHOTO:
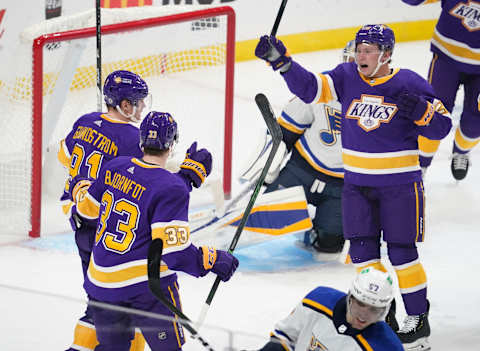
(272, 50)
(415, 108)
(219, 262)
(197, 165)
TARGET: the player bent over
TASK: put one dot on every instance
(329, 319)
(384, 110)
(312, 134)
(95, 139)
(137, 200)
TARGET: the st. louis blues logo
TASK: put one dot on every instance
(469, 13)
(370, 111)
(334, 121)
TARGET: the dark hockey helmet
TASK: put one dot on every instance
(379, 34)
(124, 85)
(158, 131)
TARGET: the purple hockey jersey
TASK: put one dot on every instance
(136, 202)
(94, 140)
(378, 147)
(457, 33)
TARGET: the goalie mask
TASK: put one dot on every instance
(125, 85)
(348, 53)
(370, 296)
(158, 131)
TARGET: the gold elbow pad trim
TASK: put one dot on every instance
(427, 116)
(209, 257)
(196, 167)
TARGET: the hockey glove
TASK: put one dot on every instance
(415, 108)
(197, 165)
(219, 262)
(77, 187)
(272, 50)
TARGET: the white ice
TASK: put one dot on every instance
(41, 289)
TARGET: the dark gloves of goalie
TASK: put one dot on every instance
(220, 262)
(415, 108)
(272, 50)
(197, 165)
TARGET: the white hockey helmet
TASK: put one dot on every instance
(348, 51)
(373, 287)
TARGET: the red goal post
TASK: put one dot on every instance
(38, 86)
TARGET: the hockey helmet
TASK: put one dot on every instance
(158, 131)
(124, 85)
(379, 34)
(373, 287)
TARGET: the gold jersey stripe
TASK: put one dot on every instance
(318, 306)
(326, 93)
(380, 162)
(289, 126)
(305, 155)
(457, 50)
(120, 275)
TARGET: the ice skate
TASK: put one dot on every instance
(415, 332)
(459, 165)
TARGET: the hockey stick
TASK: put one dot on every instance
(279, 17)
(154, 259)
(276, 132)
(98, 18)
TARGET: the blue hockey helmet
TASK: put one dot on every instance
(379, 34)
(124, 85)
(158, 131)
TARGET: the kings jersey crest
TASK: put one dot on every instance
(469, 13)
(370, 111)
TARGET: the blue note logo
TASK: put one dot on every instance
(370, 111)
(469, 13)
(334, 122)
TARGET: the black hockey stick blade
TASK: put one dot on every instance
(279, 17)
(154, 260)
(274, 129)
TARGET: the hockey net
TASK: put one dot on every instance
(185, 54)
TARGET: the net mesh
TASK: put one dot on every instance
(186, 55)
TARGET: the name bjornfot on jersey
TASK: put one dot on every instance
(370, 111)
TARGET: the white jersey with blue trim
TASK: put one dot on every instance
(319, 323)
(320, 125)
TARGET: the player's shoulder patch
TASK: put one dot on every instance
(323, 298)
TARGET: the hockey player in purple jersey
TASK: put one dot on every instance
(96, 138)
(384, 110)
(135, 201)
(328, 319)
(312, 134)
(456, 61)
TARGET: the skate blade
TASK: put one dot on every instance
(421, 344)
